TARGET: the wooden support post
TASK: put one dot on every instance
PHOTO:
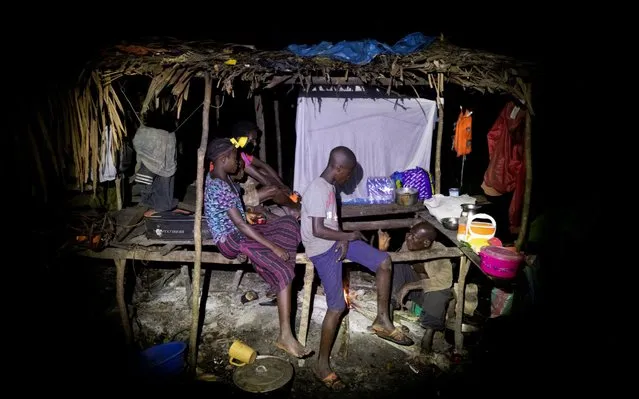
(345, 331)
(217, 110)
(118, 192)
(278, 136)
(523, 229)
(259, 121)
(309, 275)
(197, 229)
(120, 269)
(459, 304)
(440, 132)
(237, 279)
(188, 287)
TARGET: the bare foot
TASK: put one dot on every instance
(292, 347)
(386, 324)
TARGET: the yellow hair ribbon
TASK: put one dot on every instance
(240, 142)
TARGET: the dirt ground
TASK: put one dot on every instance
(365, 362)
(77, 310)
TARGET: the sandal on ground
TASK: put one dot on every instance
(396, 336)
(332, 381)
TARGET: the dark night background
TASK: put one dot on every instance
(58, 43)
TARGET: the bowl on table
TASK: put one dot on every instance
(450, 223)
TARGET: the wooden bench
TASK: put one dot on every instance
(137, 246)
(120, 256)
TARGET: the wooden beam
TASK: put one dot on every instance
(217, 258)
(197, 228)
(346, 81)
(353, 211)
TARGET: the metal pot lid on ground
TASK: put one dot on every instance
(266, 374)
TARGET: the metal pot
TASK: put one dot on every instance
(268, 375)
(406, 196)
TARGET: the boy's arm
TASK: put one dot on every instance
(321, 231)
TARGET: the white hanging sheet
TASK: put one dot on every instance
(386, 135)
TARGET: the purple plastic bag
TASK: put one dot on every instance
(418, 179)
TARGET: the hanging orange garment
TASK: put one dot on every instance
(462, 143)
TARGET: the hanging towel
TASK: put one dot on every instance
(108, 172)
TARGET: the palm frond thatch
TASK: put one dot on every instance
(171, 64)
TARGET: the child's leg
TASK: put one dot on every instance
(329, 268)
(380, 263)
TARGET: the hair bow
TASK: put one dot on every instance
(240, 142)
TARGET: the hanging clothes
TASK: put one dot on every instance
(506, 171)
(107, 172)
(462, 142)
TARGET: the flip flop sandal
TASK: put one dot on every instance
(303, 356)
(404, 329)
(396, 336)
(270, 302)
(332, 382)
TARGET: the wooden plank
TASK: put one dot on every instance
(217, 258)
(353, 211)
(451, 235)
(131, 222)
(146, 242)
(380, 224)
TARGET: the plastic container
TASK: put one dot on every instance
(381, 190)
(500, 262)
(164, 360)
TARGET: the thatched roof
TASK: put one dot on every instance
(229, 63)
(96, 103)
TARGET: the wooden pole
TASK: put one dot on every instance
(259, 120)
(120, 270)
(523, 230)
(309, 275)
(197, 229)
(118, 192)
(439, 88)
(217, 110)
(278, 136)
(459, 304)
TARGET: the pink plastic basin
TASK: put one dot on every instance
(499, 261)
